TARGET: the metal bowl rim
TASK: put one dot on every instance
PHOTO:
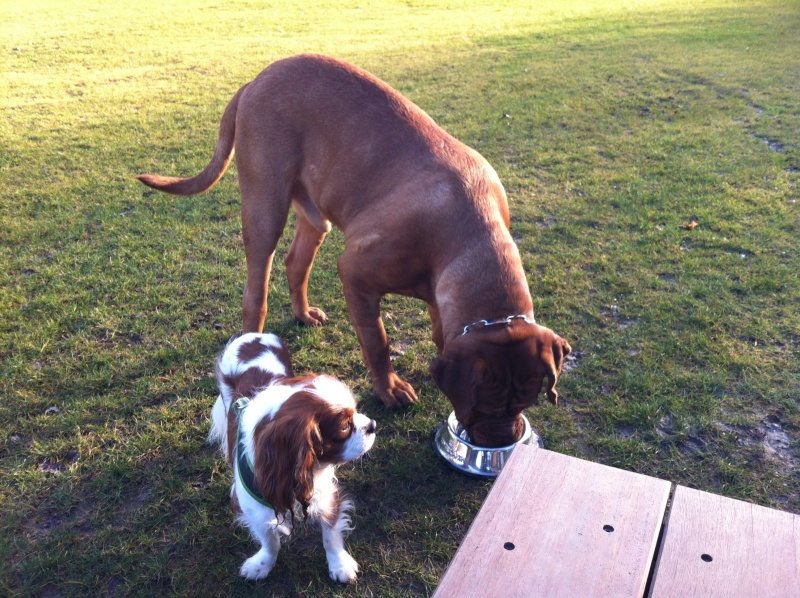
(453, 432)
(470, 473)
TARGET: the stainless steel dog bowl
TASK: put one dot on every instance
(452, 444)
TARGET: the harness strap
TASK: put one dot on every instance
(244, 466)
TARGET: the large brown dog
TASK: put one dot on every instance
(423, 215)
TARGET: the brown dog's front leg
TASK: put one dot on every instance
(436, 323)
(364, 307)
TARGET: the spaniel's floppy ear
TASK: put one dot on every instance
(286, 450)
(560, 349)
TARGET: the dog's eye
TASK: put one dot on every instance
(346, 426)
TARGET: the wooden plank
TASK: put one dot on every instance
(540, 531)
(754, 551)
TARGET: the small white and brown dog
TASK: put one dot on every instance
(283, 437)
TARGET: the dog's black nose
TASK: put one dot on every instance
(371, 426)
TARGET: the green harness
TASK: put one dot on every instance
(244, 466)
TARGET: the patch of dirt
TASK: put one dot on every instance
(572, 361)
(694, 445)
(111, 338)
(775, 146)
(57, 466)
(665, 427)
(202, 319)
(115, 585)
(615, 313)
(547, 221)
(776, 442)
(690, 442)
(42, 524)
(51, 591)
(626, 432)
(137, 501)
(399, 348)
(48, 466)
(774, 438)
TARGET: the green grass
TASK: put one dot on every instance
(612, 124)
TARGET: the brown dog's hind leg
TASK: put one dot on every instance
(363, 303)
(264, 214)
(254, 301)
(307, 240)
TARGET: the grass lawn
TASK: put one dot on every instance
(612, 125)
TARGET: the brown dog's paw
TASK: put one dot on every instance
(398, 395)
(313, 317)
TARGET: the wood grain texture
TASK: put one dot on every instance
(754, 551)
(552, 509)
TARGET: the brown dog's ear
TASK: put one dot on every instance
(441, 370)
(560, 349)
(438, 370)
(286, 450)
(457, 375)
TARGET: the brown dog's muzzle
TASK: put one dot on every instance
(496, 432)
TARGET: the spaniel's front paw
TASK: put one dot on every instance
(343, 568)
(257, 566)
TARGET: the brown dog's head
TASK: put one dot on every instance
(491, 374)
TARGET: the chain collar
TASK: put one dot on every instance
(502, 321)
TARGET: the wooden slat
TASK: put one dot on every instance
(755, 551)
(553, 508)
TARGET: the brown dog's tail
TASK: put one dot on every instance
(215, 169)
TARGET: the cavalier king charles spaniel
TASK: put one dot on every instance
(283, 437)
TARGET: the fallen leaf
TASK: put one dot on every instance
(691, 225)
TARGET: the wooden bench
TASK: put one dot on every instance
(555, 526)
(717, 546)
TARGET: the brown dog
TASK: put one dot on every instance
(423, 215)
